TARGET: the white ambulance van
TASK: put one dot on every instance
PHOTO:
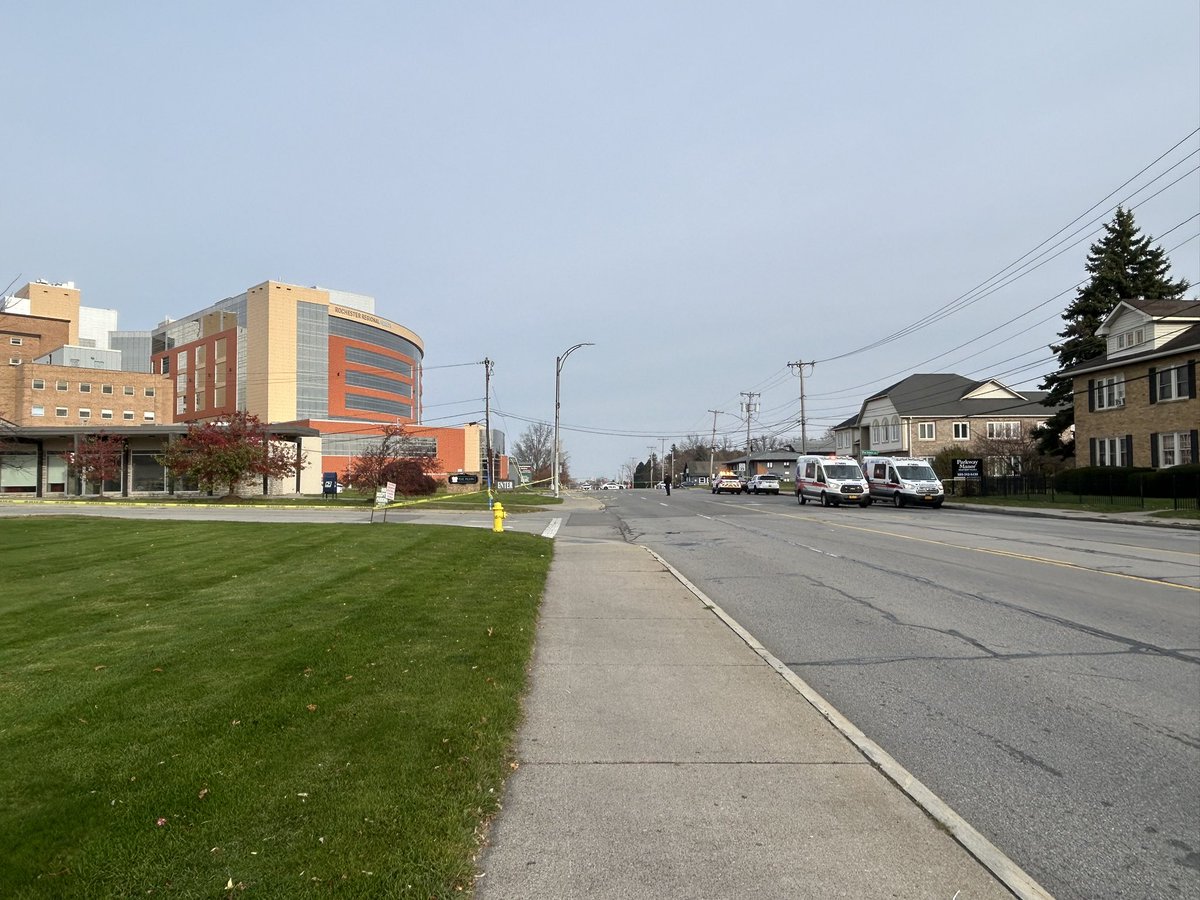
(830, 481)
(903, 480)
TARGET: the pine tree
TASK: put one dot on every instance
(1123, 266)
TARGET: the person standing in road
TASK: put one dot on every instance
(667, 483)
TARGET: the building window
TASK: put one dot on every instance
(1003, 430)
(962, 431)
(201, 356)
(164, 367)
(85, 414)
(1109, 393)
(38, 411)
(84, 387)
(198, 401)
(1172, 383)
(181, 362)
(1175, 449)
(127, 415)
(180, 404)
(14, 360)
(106, 414)
(60, 385)
(1127, 339)
(927, 431)
(148, 416)
(150, 392)
(1110, 451)
(60, 412)
(16, 342)
(128, 390)
(106, 389)
(38, 384)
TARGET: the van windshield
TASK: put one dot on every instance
(916, 473)
(842, 471)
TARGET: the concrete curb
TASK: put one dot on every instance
(1004, 869)
(1070, 516)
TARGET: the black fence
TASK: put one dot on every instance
(1168, 491)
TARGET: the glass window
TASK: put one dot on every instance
(106, 388)
(60, 385)
(962, 431)
(1175, 449)
(1003, 430)
(84, 387)
(378, 404)
(18, 472)
(1110, 451)
(378, 383)
(149, 392)
(181, 362)
(128, 390)
(1172, 383)
(1109, 393)
(127, 415)
(106, 414)
(38, 411)
(39, 384)
(927, 431)
(15, 341)
(378, 360)
(85, 413)
(146, 472)
(148, 416)
(60, 412)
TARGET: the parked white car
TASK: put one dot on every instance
(763, 484)
(610, 486)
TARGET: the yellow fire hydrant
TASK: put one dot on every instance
(498, 517)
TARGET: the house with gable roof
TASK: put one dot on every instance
(923, 414)
(1136, 404)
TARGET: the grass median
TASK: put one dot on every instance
(275, 710)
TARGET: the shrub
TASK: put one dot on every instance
(1130, 481)
(410, 478)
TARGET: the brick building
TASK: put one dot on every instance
(1136, 405)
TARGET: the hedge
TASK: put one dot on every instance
(1177, 481)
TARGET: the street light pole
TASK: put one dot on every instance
(558, 364)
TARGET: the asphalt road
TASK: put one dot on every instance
(1041, 676)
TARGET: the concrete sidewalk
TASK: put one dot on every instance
(663, 756)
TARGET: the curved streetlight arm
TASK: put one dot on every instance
(558, 364)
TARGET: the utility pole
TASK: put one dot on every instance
(662, 456)
(799, 367)
(749, 407)
(651, 449)
(713, 449)
(487, 422)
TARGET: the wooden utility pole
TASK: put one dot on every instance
(799, 367)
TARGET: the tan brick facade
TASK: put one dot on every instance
(1137, 418)
(36, 394)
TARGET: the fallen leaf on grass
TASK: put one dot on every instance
(312, 707)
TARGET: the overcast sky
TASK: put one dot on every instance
(706, 191)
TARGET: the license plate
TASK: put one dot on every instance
(853, 496)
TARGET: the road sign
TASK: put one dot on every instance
(968, 468)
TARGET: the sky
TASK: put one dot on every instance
(703, 191)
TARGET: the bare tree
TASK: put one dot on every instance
(535, 448)
(1012, 450)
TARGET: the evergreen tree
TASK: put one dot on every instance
(1123, 266)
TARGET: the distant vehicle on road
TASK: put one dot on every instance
(763, 484)
(610, 486)
(728, 483)
(904, 480)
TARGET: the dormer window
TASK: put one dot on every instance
(1129, 339)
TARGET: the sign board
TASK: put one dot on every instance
(968, 468)
(463, 478)
(329, 484)
(504, 485)
(381, 497)
(389, 491)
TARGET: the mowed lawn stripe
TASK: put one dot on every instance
(291, 707)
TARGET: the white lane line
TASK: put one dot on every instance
(552, 528)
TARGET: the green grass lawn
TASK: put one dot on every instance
(296, 710)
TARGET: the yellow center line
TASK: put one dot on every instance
(1004, 553)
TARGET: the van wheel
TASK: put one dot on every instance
(800, 498)
(865, 503)
(897, 500)
(824, 499)
(937, 505)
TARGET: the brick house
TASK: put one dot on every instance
(924, 414)
(1136, 405)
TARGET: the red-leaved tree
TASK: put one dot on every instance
(97, 459)
(396, 458)
(225, 452)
